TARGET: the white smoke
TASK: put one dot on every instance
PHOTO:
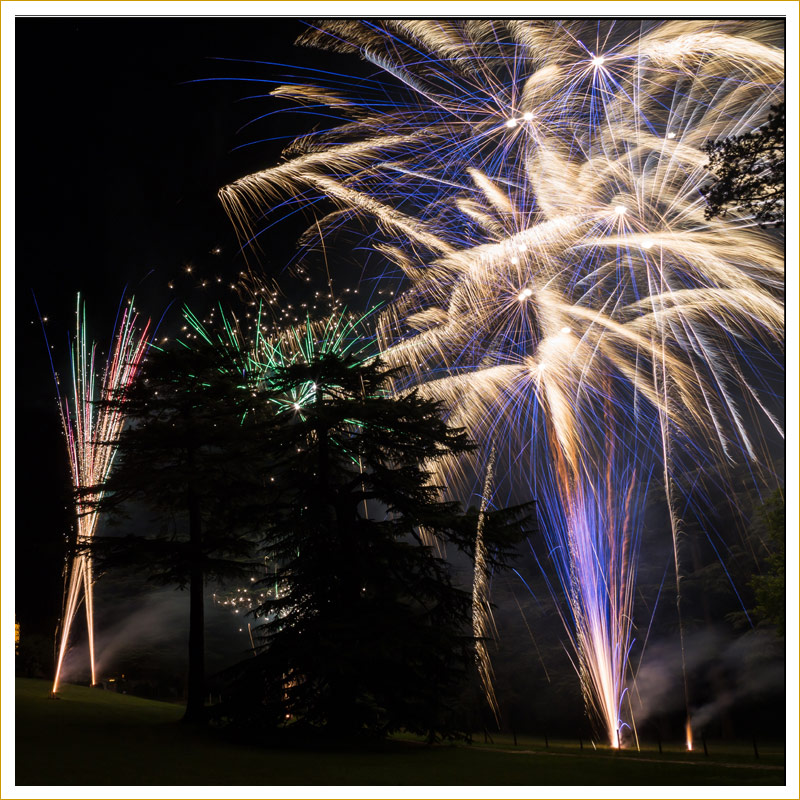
(751, 662)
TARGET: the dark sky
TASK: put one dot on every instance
(125, 130)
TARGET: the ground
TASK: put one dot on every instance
(93, 737)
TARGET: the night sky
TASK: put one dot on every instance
(126, 129)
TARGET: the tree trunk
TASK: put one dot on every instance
(195, 690)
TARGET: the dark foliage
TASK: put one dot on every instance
(750, 172)
(770, 586)
(193, 453)
(34, 657)
(365, 631)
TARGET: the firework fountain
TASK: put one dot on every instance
(536, 185)
(91, 431)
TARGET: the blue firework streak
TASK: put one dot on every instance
(536, 183)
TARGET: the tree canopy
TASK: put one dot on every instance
(750, 172)
(770, 586)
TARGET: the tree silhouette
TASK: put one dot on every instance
(770, 586)
(750, 172)
(193, 453)
(365, 629)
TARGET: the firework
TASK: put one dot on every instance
(266, 349)
(536, 185)
(91, 432)
(482, 617)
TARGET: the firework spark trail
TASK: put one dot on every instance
(260, 354)
(564, 294)
(91, 432)
(482, 618)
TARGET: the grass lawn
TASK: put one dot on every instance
(91, 737)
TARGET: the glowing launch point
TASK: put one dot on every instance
(511, 123)
(527, 116)
(524, 294)
(566, 330)
(671, 135)
(620, 210)
(598, 61)
(647, 244)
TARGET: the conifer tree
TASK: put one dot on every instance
(366, 630)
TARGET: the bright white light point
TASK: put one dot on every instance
(296, 406)
(671, 135)
(525, 294)
(620, 209)
(598, 61)
(511, 123)
(514, 260)
(527, 116)
(565, 330)
(647, 244)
